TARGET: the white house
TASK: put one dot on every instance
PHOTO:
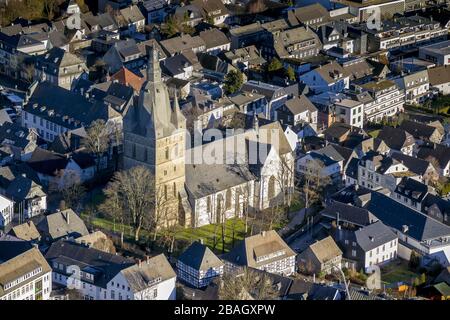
(198, 265)
(268, 252)
(24, 273)
(112, 277)
(329, 77)
(349, 111)
(6, 211)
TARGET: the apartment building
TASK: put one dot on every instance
(382, 99)
(24, 272)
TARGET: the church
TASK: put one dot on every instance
(194, 195)
(154, 137)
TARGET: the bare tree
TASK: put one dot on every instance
(68, 183)
(312, 182)
(249, 284)
(135, 189)
(114, 208)
(97, 140)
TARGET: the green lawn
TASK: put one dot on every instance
(397, 272)
(206, 233)
(374, 133)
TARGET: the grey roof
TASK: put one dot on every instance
(200, 257)
(415, 165)
(132, 14)
(63, 224)
(439, 152)
(206, 179)
(396, 215)
(412, 189)
(349, 213)
(144, 274)
(417, 129)
(300, 104)
(214, 38)
(325, 249)
(396, 138)
(23, 188)
(374, 235)
(263, 244)
(61, 106)
(105, 265)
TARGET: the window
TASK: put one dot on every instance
(167, 153)
(353, 253)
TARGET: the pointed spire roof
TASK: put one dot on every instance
(177, 118)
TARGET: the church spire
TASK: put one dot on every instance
(153, 68)
(177, 117)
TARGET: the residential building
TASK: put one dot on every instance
(439, 53)
(60, 68)
(411, 193)
(373, 244)
(398, 140)
(329, 77)
(6, 211)
(438, 154)
(265, 251)
(276, 96)
(62, 224)
(382, 99)
(198, 265)
(299, 42)
(215, 41)
(155, 10)
(416, 87)
(298, 110)
(24, 272)
(348, 111)
(321, 257)
(104, 276)
(183, 43)
(422, 132)
(26, 231)
(414, 229)
(405, 32)
(439, 78)
(377, 171)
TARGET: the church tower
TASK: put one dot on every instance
(154, 136)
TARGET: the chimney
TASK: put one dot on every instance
(139, 263)
(405, 228)
(200, 240)
(263, 233)
(371, 238)
(148, 260)
(66, 216)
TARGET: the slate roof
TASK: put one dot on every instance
(153, 270)
(415, 165)
(439, 75)
(214, 38)
(65, 223)
(412, 189)
(396, 215)
(17, 261)
(26, 231)
(245, 253)
(22, 188)
(106, 265)
(396, 138)
(200, 257)
(374, 235)
(300, 104)
(325, 249)
(61, 106)
(47, 162)
(419, 130)
(439, 152)
(206, 179)
(349, 213)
